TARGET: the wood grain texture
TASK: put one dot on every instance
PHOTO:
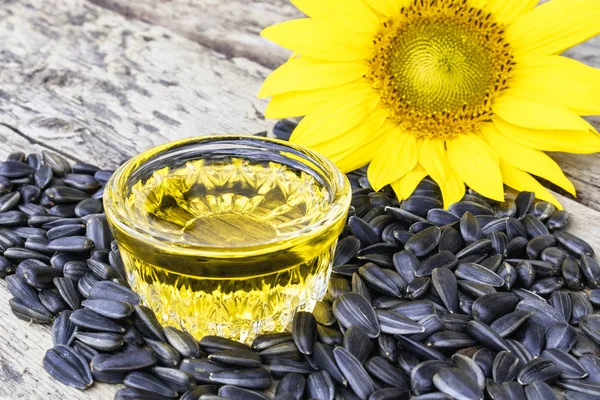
(101, 85)
(86, 80)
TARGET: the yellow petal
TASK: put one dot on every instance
(569, 82)
(316, 8)
(357, 16)
(388, 8)
(358, 157)
(433, 157)
(555, 26)
(396, 157)
(505, 11)
(525, 158)
(471, 160)
(300, 103)
(578, 142)
(337, 116)
(304, 73)
(405, 186)
(535, 111)
(337, 146)
(522, 181)
(321, 39)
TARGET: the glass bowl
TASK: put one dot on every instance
(228, 235)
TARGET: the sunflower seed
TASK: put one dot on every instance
(484, 358)
(457, 384)
(388, 347)
(383, 371)
(451, 240)
(405, 264)
(9, 201)
(492, 306)
(424, 242)
(421, 351)
(357, 342)
(293, 384)
(508, 323)
(88, 319)
(68, 292)
(353, 309)
(590, 325)
(147, 382)
(357, 377)
(572, 274)
(538, 369)
(103, 341)
(65, 231)
(449, 340)
(114, 291)
(60, 166)
(128, 362)
(50, 298)
(571, 368)
(396, 324)
(581, 307)
(166, 354)
(13, 218)
(346, 250)
(253, 378)
(68, 367)
(558, 220)
(138, 394)
(384, 280)
(579, 386)
(539, 391)
(282, 350)
(63, 329)
(72, 244)
(573, 244)
(236, 393)
(5, 185)
(265, 341)
(320, 386)
(486, 336)
(75, 270)
(443, 259)
(86, 283)
(560, 335)
(506, 367)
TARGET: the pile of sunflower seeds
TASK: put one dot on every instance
(481, 300)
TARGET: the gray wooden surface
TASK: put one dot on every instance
(101, 80)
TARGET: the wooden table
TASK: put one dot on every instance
(101, 80)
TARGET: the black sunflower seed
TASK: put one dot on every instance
(240, 358)
(574, 244)
(506, 367)
(68, 367)
(235, 393)
(252, 378)
(456, 383)
(508, 323)
(558, 220)
(63, 329)
(560, 335)
(538, 370)
(356, 376)
(443, 259)
(570, 367)
(292, 384)
(353, 309)
(424, 242)
(539, 391)
(89, 320)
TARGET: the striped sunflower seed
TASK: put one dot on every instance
(68, 367)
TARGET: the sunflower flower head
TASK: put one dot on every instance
(466, 91)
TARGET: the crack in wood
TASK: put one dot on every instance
(39, 143)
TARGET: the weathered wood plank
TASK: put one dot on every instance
(229, 27)
(88, 81)
(232, 27)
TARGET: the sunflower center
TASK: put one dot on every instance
(439, 67)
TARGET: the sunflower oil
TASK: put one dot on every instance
(247, 215)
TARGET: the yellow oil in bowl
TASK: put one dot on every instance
(228, 235)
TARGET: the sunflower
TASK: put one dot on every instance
(465, 91)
